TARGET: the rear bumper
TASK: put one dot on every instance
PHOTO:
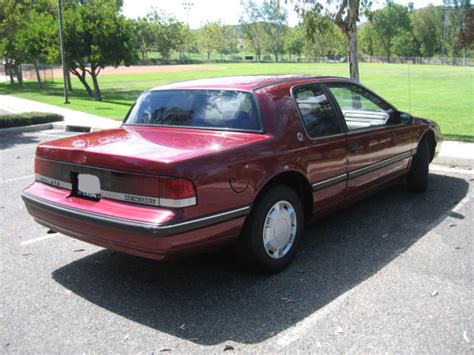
(138, 237)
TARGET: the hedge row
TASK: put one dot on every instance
(28, 118)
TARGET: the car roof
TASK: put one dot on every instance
(244, 82)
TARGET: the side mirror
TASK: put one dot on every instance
(405, 117)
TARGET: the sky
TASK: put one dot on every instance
(228, 11)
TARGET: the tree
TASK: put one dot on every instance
(294, 41)
(404, 44)
(275, 20)
(367, 39)
(183, 38)
(324, 42)
(38, 40)
(466, 34)
(96, 36)
(427, 29)
(145, 32)
(12, 20)
(169, 34)
(345, 14)
(463, 22)
(388, 22)
(226, 41)
(253, 27)
(208, 38)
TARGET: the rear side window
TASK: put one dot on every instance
(319, 117)
(211, 109)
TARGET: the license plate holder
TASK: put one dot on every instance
(88, 186)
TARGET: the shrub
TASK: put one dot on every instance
(28, 118)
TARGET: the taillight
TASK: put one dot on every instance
(175, 192)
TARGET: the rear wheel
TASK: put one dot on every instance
(273, 230)
(417, 179)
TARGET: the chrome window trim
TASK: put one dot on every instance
(320, 84)
(220, 129)
(374, 128)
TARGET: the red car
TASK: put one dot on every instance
(237, 160)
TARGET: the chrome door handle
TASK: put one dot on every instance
(354, 147)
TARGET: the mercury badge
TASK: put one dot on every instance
(300, 137)
(84, 159)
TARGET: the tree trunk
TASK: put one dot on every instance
(221, 57)
(82, 79)
(84, 82)
(276, 57)
(348, 26)
(19, 74)
(352, 52)
(208, 55)
(464, 56)
(97, 95)
(38, 76)
(8, 70)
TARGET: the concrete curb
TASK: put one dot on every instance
(454, 161)
(455, 153)
(24, 129)
(75, 128)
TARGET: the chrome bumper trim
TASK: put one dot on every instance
(152, 229)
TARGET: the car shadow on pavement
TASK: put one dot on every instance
(17, 140)
(208, 299)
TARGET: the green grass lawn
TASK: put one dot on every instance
(442, 93)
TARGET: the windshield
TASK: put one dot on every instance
(212, 109)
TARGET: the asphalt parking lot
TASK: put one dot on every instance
(392, 273)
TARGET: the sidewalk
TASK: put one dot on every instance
(73, 118)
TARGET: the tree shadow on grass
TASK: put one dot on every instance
(217, 301)
(116, 96)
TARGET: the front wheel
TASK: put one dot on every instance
(417, 179)
(273, 230)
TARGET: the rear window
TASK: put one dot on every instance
(211, 109)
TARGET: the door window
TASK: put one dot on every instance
(361, 108)
(319, 117)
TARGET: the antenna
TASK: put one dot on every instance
(409, 88)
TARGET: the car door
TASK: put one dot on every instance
(378, 146)
(325, 154)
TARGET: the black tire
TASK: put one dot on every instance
(417, 178)
(250, 247)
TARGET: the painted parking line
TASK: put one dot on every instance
(17, 178)
(39, 239)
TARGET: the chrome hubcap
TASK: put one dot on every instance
(280, 229)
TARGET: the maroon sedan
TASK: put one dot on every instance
(237, 160)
